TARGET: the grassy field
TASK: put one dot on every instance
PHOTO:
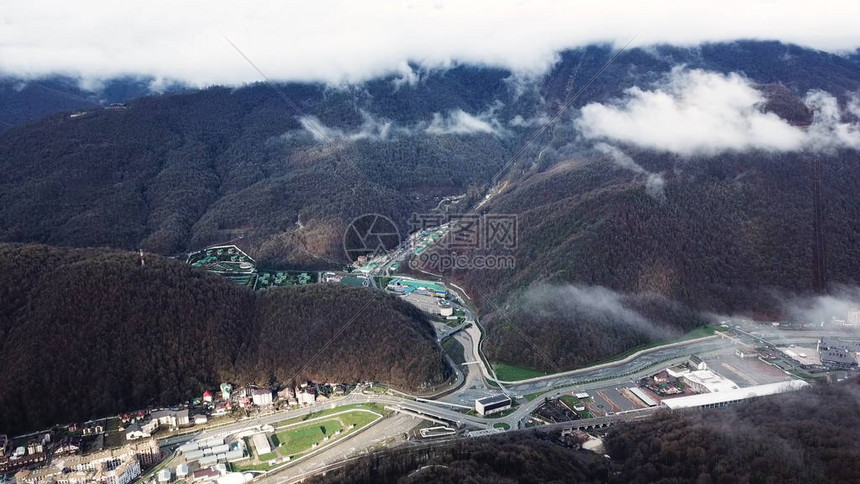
(300, 439)
(454, 350)
(699, 332)
(531, 396)
(569, 400)
(373, 407)
(501, 425)
(506, 372)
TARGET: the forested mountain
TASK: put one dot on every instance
(87, 332)
(806, 436)
(672, 233)
(25, 100)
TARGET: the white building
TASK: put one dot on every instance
(261, 443)
(706, 381)
(113, 466)
(722, 399)
(696, 363)
(261, 397)
(491, 405)
(164, 475)
(171, 418)
(306, 396)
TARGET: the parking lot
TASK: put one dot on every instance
(428, 304)
(745, 372)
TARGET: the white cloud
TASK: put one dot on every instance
(694, 112)
(854, 105)
(408, 77)
(459, 122)
(371, 129)
(597, 303)
(827, 130)
(536, 121)
(336, 40)
(654, 184)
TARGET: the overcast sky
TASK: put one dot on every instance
(334, 41)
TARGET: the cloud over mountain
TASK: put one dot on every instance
(695, 112)
(334, 41)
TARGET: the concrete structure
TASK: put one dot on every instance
(695, 363)
(189, 447)
(182, 471)
(134, 432)
(853, 319)
(706, 381)
(446, 310)
(226, 391)
(641, 395)
(205, 475)
(92, 428)
(200, 419)
(261, 396)
(218, 449)
(235, 455)
(164, 475)
(306, 396)
(171, 418)
(261, 444)
(491, 405)
(677, 371)
(194, 455)
(839, 353)
(221, 409)
(722, 399)
(113, 466)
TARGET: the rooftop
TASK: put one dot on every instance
(710, 380)
(705, 399)
(493, 399)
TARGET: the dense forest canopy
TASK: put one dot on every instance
(180, 171)
(88, 332)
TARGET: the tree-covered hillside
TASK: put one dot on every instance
(178, 172)
(89, 332)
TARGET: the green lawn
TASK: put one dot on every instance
(322, 413)
(455, 350)
(300, 440)
(501, 425)
(507, 372)
(264, 466)
(531, 396)
(359, 419)
(374, 407)
(267, 457)
(569, 400)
